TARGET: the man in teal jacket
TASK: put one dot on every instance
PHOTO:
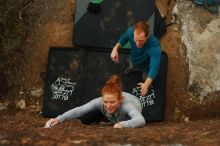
(145, 53)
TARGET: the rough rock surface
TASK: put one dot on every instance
(187, 122)
(200, 34)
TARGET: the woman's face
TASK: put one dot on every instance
(111, 103)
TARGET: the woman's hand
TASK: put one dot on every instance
(52, 122)
(117, 125)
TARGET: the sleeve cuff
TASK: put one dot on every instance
(60, 119)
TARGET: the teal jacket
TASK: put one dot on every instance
(147, 58)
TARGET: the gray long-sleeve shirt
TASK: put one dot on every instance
(128, 114)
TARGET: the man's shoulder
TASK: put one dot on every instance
(153, 39)
(130, 30)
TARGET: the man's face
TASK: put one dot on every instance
(140, 39)
(111, 103)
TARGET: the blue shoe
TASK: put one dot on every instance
(211, 5)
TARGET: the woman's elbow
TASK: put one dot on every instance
(142, 123)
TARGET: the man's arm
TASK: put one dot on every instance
(154, 68)
(154, 65)
(122, 41)
(114, 54)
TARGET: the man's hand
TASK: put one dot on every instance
(114, 55)
(52, 122)
(117, 125)
(144, 88)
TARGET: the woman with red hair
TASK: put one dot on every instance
(120, 108)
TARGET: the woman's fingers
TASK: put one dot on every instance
(51, 122)
(117, 126)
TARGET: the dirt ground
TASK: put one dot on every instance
(187, 121)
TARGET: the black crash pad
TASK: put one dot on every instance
(105, 28)
(75, 76)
